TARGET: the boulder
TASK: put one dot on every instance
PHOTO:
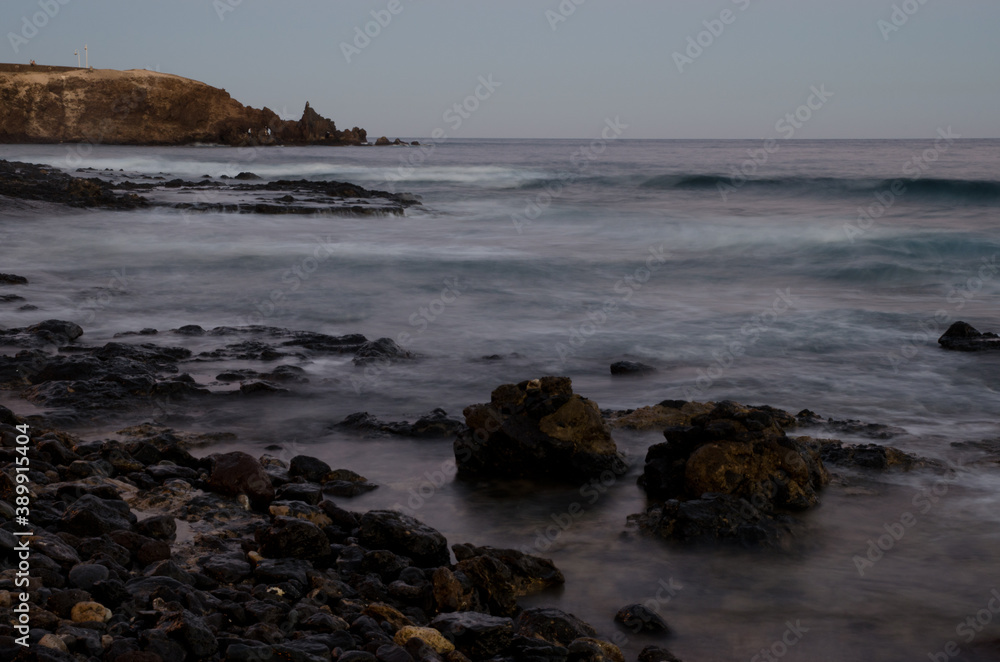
(538, 429)
(657, 654)
(405, 535)
(477, 635)
(631, 368)
(295, 538)
(91, 515)
(588, 649)
(381, 350)
(640, 618)
(735, 450)
(238, 473)
(552, 625)
(963, 337)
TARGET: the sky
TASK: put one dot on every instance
(557, 68)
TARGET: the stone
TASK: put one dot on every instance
(91, 515)
(631, 368)
(537, 429)
(552, 625)
(295, 538)
(158, 527)
(588, 649)
(225, 569)
(85, 575)
(528, 574)
(475, 634)
(405, 535)
(238, 473)
(310, 468)
(55, 642)
(90, 611)
(639, 618)
(12, 279)
(429, 636)
(657, 654)
(383, 350)
(963, 337)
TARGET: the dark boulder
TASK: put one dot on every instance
(238, 473)
(477, 635)
(405, 535)
(12, 279)
(657, 654)
(735, 450)
(552, 625)
(539, 429)
(963, 337)
(310, 468)
(381, 351)
(588, 649)
(528, 574)
(631, 368)
(295, 538)
(640, 618)
(91, 515)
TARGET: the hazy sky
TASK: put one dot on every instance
(929, 63)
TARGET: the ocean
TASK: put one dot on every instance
(798, 274)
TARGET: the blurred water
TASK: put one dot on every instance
(774, 293)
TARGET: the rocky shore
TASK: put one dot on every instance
(245, 193)
(140, 551)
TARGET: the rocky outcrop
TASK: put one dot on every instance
(139, 107)
(539, 429)
(730, 475)
(963, 337)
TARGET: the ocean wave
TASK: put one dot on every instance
(968, 190)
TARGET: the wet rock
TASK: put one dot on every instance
(528, 574)
(429, 636)
(12, 279)
(43, 334)
(737, 450)
(402, 534)
(225, 569)
(383, 350)
(301, 510)
(475, 634)
(260, 387)
(85, 575)
(309, 493)
(963, 337)
(238, 473)
(639, 618)
(295, 538)
(865, 456)
(158, 527)
(631, 368)
(310, 468)
(90, 611)
(552, 625)
(716, 518)
(191, 632)
(588, 649)
(347, 489)
(91, 515)
(657, 654)
(247, 176)
(436, 424)
(537, 428)
(275, 571)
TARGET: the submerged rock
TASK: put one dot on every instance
(538, 429)
(963, 337)
(631, 368)
(238, 473)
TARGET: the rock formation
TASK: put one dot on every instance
(139, 107)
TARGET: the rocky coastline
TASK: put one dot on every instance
(244, 193)
(43, 104)
(141, 551)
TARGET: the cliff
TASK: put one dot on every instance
(138, 107)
